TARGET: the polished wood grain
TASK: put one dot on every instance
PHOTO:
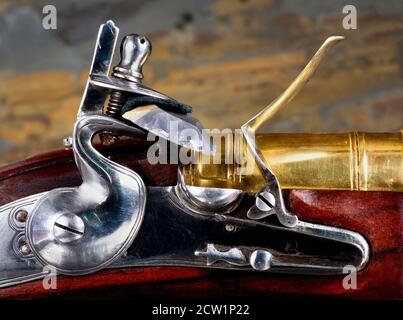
(375, 215)
(57, 169)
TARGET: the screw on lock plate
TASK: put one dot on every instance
(68, 227)
(264, 205)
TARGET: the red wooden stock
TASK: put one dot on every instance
(378, 216)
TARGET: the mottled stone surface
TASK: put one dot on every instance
(227, 58)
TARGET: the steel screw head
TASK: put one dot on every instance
(68, 227)
(265, 201)
(68, 142)
(260, 260)
(21, 216)
(230, 227)
(25, 249)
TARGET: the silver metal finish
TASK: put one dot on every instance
(68, 142)
(99, 82)
(265, 201)
(21, 216)
(106, 83)
(110, 203)
(207, 200)
(25, 250)
(20, 246)
(230, 227)
(188, 244)
(134, 52)
(263, 259)
(338, 235)
(260, 260)
(264, 206)
(93, 101)
(273, 187)
(232, 256)
(17, 265)
(68, 228)
(180, 129)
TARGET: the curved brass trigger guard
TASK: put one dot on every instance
(249, 129)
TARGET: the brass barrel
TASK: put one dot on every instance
(333, 161)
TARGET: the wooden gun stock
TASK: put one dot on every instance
(375, 215)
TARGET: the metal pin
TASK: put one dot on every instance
(68, 142)
(25, 249)
(21, 216)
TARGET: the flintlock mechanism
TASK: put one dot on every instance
(113, 220)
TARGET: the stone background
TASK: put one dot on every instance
(227, 58)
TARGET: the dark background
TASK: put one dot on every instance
(227, 58)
